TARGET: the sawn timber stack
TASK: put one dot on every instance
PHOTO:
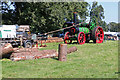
(34, 53)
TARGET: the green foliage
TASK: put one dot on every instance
(7, 13)
(105, 26)
(114, 26)
(97, 13)
(46, 16)
(118, 27)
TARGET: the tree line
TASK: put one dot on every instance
(48, 16)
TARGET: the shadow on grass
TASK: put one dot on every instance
(90, 43)
(55, 58)
(85, 43)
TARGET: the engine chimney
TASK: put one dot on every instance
(74, 17)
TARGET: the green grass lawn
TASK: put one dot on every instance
(90, 61)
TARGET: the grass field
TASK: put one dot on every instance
(90, 61)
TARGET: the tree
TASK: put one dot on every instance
(7, 13)
(113, 26)
(118, 27)
(97, 13)
(105, 26)
(43, 16)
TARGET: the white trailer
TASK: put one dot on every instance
(8, 31)
(16, 35)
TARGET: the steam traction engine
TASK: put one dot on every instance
(82, 32)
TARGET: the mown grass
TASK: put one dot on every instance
(90, 61)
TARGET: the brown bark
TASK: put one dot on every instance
(6, 50)
(62, 53)
(18, 50)
(33, 55)
(72, 49)
(51, 40)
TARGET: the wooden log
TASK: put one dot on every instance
(18, 50)
(62, 52)
(6, 50)
(72, 49)
(33, 55)
(53, 39)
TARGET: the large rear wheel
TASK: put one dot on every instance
(81, 38)
(97, 35)
(67, 38)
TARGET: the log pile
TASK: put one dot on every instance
(72, 49)
(54, 39)
(23, 54)
(51, 40)
(17, 54)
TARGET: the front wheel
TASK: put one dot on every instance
(67, 38)
(81, 38)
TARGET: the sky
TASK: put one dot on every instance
(110, 11)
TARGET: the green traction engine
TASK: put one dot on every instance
(82, 32)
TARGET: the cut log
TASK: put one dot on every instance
(18, 50)
(72, 49)
(62, 53)
(33, 55)
(6, 50)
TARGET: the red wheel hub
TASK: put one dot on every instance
(67, 38)
(81, 38)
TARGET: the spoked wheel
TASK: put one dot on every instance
(28, 45)
(98, 35)
(67, 39)
(81, 38)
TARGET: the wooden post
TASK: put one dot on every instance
(21, 41)
(62, 52)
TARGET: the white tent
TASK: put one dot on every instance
(112, 33)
